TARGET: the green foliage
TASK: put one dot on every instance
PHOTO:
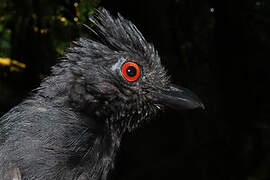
(56, 22)
(84, 10)
(5, 35)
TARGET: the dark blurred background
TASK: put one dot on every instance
(218, 48)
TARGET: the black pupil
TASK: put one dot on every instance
(131, 71)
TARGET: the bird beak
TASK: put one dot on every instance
(177, 97)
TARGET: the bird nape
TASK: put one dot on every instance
(108, 83)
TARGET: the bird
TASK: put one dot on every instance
(108, 83)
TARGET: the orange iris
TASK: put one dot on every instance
(130, 71)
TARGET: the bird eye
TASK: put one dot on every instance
(130, 71)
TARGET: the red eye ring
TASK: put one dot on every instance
(130, 71)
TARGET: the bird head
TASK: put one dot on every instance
(118, 75)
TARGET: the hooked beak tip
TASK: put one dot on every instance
(201, 105)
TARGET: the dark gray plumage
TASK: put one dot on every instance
(71, 127)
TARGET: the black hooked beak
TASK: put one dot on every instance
(177, 97)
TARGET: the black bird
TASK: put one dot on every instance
(71, 127)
